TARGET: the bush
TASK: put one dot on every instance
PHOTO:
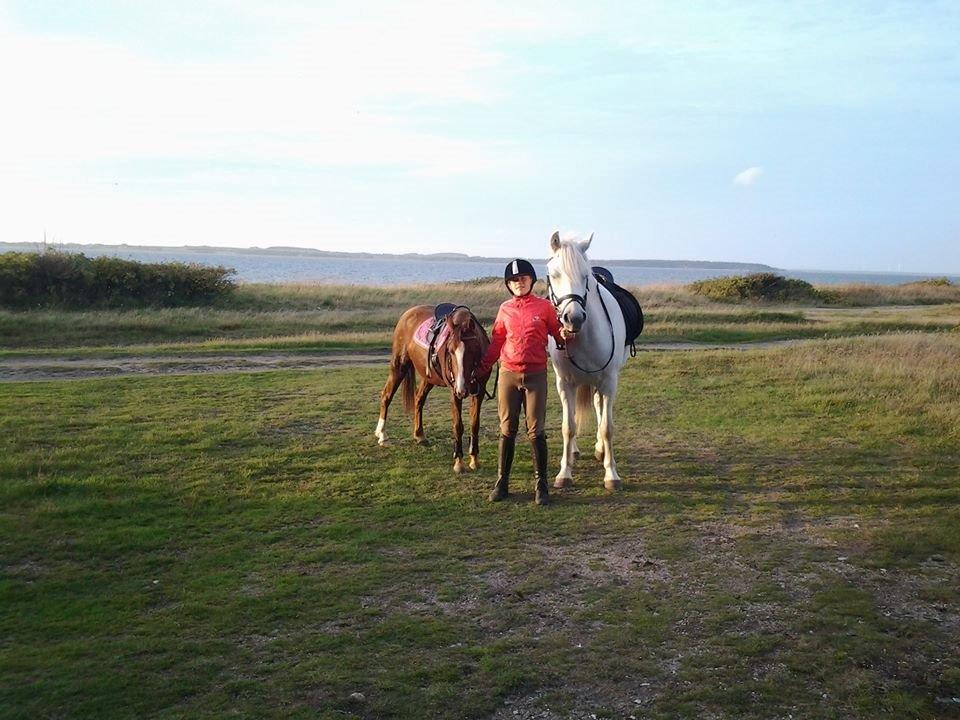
(930, 282)
(60, 279)
(759, 286)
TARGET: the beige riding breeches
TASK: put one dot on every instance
(512, 388)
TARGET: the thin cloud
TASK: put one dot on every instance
(334, 96)
(748, 177)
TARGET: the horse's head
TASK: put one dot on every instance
(465, 345)
(568, 278)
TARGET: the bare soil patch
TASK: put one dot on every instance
(42, 368)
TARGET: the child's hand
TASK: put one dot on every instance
(567, 334)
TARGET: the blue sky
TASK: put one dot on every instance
(802, 135)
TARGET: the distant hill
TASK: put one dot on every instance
(307, 252)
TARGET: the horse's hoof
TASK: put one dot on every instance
(422, 441)
(561, 483)
(474, 463)
(458, 467)
(383, 442)
(612, 484)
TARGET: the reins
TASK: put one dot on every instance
(581, 300)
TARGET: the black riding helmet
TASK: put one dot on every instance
(518, 267)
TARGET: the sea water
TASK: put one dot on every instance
(268, 268)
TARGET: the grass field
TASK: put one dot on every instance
(786, 545)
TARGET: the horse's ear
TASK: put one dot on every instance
(555, 241)
(586, 244)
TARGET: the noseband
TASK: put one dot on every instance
(580, 300)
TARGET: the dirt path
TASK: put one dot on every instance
(20, 369)
(46, 368)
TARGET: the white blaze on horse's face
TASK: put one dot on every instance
(461, 387)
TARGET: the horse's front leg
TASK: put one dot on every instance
(475, 403)
(568, 402)
(456, 413)
(611, 480)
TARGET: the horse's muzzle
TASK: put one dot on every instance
(573, 317)
(461, 389)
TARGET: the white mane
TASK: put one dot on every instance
(573, 260)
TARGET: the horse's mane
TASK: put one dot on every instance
(573, 260)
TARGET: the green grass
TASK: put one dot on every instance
(787, 543)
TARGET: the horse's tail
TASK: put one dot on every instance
(584, 404)
(406, 386)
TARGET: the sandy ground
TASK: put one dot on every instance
(30, 368)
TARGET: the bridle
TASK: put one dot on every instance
(581, 300)
(473, 384)
(558, 302)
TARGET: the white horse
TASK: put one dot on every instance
(589, 366)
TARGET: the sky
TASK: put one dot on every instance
(814, 135)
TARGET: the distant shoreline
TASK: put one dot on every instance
(311, 253)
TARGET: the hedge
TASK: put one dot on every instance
(72, 280)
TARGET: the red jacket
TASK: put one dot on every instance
(519, 337)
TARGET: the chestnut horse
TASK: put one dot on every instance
(454, 365)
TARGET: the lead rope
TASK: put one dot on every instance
(491, 395)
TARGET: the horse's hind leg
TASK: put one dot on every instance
(419, 401)
(611, 479)
(598, 408)
(386, 397)
(456, 415)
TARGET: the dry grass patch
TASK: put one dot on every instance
(925, 292)
(909, 371)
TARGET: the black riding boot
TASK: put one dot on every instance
(502, 489)
(540, 463)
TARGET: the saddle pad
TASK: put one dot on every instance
(423, 334)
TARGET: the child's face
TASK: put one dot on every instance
(520, 284)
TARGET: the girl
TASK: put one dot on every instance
(519, 341)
